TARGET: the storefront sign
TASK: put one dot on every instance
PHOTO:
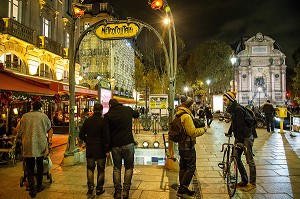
(117, 31)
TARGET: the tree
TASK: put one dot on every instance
(210, 60)
(296, 81)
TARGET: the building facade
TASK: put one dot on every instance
(104, 61)
(34, 39)
(260, 71)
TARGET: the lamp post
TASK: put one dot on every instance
(172, 56)
(186, 90)
(69, 155)
(208, 82)
(259, 89)
(233, 61)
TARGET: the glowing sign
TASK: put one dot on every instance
(117, 31)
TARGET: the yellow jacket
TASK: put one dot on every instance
(188, 124)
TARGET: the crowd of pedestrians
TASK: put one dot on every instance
(110, 136)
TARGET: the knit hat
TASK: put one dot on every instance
(230, 95)
(188, 101)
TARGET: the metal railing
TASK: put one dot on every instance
(50, 45)
(18, 30)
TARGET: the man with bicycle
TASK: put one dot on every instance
(243, 136)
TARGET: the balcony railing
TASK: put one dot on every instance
(18, 30)
(50, 45)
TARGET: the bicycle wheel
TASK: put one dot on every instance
(226, 159)
(232, 177)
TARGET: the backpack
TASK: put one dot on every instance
(177, 131)
(249, 118)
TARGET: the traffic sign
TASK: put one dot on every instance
(117, 30)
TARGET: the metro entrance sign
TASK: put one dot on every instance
(117, 30)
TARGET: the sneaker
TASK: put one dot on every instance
(185, 193)
(242, 184)
(249, 187)
(39, 189)
(32, 194)
(99, 192)
(90, 192)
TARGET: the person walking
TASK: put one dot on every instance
(187, 153)
(208, 115)
(243, 136)
(91, 133)
(119, 141)
(269, 112)
(34, 129)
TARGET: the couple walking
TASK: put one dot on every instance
(113, 133)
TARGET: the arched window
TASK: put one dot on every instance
(44, 71)
(13, 62)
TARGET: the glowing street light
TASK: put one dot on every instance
(233, 60)
(186, 90)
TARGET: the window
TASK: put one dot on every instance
(46, 28)
(13, 9)
(44, 71)
(13, 62)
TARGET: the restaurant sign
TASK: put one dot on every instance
(123, 30)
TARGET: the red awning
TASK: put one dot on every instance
(11, 83)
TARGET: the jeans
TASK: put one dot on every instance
(91, 164)
(125, 153)
(208, 121)
(31, 162)
(187, 166)
(270, 122)
(248, 143)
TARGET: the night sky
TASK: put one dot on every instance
(201, 20)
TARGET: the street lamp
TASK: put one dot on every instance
(77, 11)
(186, 90)
(233, 60)
(158, 4)
(259, 89)
(208, 82)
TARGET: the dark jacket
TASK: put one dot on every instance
(238, 126)
(208, 113)
(91, 133)
(118, 126)
(268, 109)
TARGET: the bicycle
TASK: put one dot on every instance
(229, 165)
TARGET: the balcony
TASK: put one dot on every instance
(18, 30)
(50, 45)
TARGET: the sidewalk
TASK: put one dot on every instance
(277, 161)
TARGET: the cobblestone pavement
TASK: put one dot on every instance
(276, 157)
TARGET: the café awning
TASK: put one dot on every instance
(11, 83)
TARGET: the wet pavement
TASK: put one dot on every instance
(276, 156)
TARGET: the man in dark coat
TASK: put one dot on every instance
(269, 111)
(91, 133)
(243, 136)
(119, 140)
(208, 114)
